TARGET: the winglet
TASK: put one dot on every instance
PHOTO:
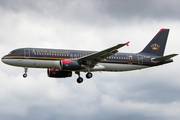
(127, 43)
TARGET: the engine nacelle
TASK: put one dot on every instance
(55, 73)
(70, 65)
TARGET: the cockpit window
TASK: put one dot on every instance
(13, 52)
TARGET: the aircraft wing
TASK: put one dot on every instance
(94, 58)
(164, 58)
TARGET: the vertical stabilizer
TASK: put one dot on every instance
(157, 45)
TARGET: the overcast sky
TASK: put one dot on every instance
(147, 94)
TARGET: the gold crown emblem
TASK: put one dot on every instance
(155, 46)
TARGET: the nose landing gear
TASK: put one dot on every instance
(25, 70)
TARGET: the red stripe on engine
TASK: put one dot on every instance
(53, 70)
(66, 61)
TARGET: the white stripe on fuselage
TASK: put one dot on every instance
(56, 64)
(30, 63)
(121, 67)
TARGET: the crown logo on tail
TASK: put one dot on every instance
(155, 46)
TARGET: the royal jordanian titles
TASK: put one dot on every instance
(61, 63)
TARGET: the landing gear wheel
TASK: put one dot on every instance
(25, 70)
(79, 80)
(89, 75)
(24, 75)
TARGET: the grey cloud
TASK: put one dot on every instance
(147, 94)
(149, 9)
(99, 12)
(104, 97)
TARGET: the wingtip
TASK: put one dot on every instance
(127, 43)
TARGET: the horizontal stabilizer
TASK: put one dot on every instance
(163, 58)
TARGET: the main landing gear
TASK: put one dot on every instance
(25, 70)
(89, 75)
(80, 79)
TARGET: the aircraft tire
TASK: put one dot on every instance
(24, 75)
(79, 80)
(89, 75)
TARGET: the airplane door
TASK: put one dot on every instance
(26, 53)
(140, 59)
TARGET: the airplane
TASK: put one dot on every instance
(60, 63)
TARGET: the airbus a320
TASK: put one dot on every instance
(60, 63)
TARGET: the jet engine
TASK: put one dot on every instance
(71, 65)
(55, 73)
(68, 65)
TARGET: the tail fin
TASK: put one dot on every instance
(157, 44)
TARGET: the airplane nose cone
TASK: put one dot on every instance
(2, 59)
(6, 60)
